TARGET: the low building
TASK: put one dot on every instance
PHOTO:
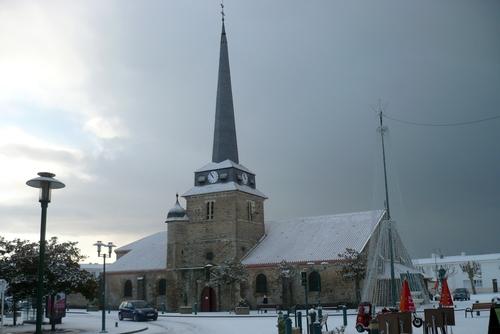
(485, 281)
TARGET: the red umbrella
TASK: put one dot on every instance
(406, 301)
(445, 295)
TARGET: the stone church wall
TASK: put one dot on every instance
(145, 285)
(334, 289)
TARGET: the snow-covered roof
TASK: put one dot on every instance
(319, 238)
(177, 213)
(218, 187)
(148, 253)
(224, 164)
(457, 259)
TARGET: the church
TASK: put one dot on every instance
(223, 220)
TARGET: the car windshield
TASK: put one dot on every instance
(460, 290)
(140, 304)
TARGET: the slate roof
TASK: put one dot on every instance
(225, 145)
(221, 165)
(315, 239)
(148, 253)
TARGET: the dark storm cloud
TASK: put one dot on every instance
(305, 79)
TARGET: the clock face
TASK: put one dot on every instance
(244, 178)
(213, 176)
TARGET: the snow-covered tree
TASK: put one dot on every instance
(473, 270)
(228, 274)
(353, 268)
(19, 267)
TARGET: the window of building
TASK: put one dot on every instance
(250, 210)
(162, 287)
(314, 281)
(261, 283)
(127, 289)
(210, 210)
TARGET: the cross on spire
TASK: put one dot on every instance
(222, 10)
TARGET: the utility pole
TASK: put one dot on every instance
(382, 130)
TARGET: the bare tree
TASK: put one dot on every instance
(472, 269)
(353, 268)
(286, 274)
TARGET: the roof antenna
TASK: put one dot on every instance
(222, 10)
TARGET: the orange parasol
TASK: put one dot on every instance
(406, 301)
(445, 295)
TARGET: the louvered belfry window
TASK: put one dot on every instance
(210, 210)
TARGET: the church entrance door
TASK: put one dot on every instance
(208, 300)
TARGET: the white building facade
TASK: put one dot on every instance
(486, 281)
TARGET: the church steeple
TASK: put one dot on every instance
(225, 145)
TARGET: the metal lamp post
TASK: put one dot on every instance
(110, 246)
(45, 182)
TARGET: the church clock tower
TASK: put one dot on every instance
(224, 209)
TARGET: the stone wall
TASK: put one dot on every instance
(334, 289)
(144, 286)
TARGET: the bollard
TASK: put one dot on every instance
(288, 326)
(116, 323)
(195, 308)
(344, 314)
(312, 320)
(299, 320)
(281, 323)
(316, 328)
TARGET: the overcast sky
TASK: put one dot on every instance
(118, 99)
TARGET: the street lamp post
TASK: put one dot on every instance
(45, 182)
(110, 246)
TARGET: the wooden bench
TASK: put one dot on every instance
(332, 307)
(265, 307)
(477, 307)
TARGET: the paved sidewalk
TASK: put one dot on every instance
(83, 322)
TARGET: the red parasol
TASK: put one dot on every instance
(445, 295)
(406, 301)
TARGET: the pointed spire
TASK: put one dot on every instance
(225, 145)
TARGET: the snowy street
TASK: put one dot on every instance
(222, 322)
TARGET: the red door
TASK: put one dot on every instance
(208, 300)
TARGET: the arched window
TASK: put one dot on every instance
(314, 281)
(261, 283)
(127, 289)
(162, 287)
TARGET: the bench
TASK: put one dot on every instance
(477, 307)
(332, 307)
(261, 308)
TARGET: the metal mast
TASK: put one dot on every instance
(382, 130)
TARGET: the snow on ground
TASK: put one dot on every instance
(223, 322)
